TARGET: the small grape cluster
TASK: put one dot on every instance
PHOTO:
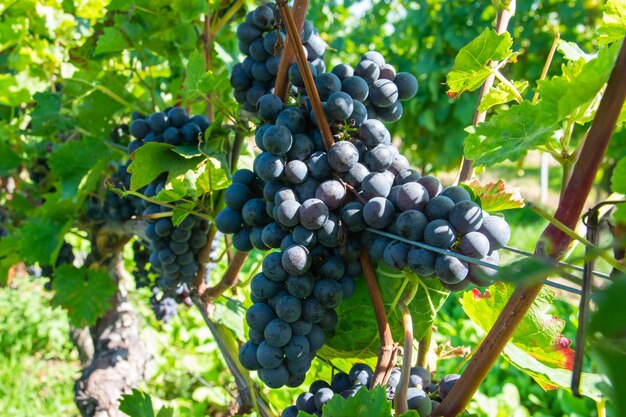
(174, 248)
(115, 208)
(174, 127)
(371, 90)
(262, 42)
(423, 395)
(66, 256)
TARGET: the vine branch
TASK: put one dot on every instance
(553, 242)
(400, 400)
(386, 357)
(502, 22)
(282, 81)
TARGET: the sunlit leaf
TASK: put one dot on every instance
(494, 196)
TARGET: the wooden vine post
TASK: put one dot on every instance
(386, 356)
(553, 242)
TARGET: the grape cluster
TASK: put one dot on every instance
(115, 208)
(174, 248)
(66, 256)
(174, 127)
(262, 42)
(420, 209)
(423, 395)
(371, 90)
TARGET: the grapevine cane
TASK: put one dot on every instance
(282, 81)
(502, 22)
(386, 358)
(400, 400)
(553, 241)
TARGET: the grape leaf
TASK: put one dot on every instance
(83, 292)
(608, 341)
(365, 403)
(79, 166)
(509, 134)
(137, 404)
(197, 80)
(153, 159)
(547, 376)
(471, 65)
(230, 313)
(572, 51)
(111, 41)
(575, 90)
(46, 116)
(539, 333)
(9, 160)
(11, 92)
(213, 176)
(190, 9)
(495, 197)
(501, 94)
(40, 239)
(614, 22)
(618, 178)
(356, 333)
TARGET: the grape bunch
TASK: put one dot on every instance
(173, 248)
(262, 42)
(371, 90)
(66, 256)
(423, 396)
(174, 127)
(115, 208)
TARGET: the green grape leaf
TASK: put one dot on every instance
(618, 178)
(8, 256)
(139, 404)
(613, 27)
(539, 333)
(573, 92)
(494, 196)
(153, 159)
(501, 94)
(197, 81)
(230, 313)
(111, 41)
(9, 160)
(46, 116)
(607, 338)
(471, 65)
(509, 134)
(41, 239)
(356, 333)
(11, 92)
(365, 403)
(79, 166)
(190, 9)
(591, 385)
(572, 51)
(83, 292)
(213, 176)
(181, 211)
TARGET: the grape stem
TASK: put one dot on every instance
(502, 22)
(400, 401)
(282, 78)
(227, 345)
(424, 347)
(388, 350)
(553, 241)
(228, 280)
(305, 70)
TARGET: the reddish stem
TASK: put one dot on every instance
(502, 22)
(228, 280)
(386, 357)
(553, 242)
(282, 80)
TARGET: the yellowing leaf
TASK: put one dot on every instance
(495, 197)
